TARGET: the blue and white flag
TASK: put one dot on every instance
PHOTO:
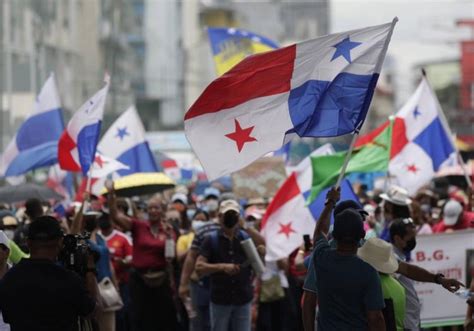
(35, 144)
(422, 142)
(125, 142)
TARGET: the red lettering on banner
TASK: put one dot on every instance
(420, 256)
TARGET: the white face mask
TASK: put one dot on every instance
(197, 224)
(212, 205)
(9, 234)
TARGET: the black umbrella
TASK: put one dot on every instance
(23, 192)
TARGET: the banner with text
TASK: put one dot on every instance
(451, 254)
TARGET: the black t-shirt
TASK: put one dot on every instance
(42, 296)
(226, 289)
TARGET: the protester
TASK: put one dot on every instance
(151, 280)
(403, 239)
(420, 217)
(192, 287)
(120, 248)
(62, 297)
(454, 218)
(33, 209)
(309, 300)
(349, 291)
(394, 205)
(4, 267)
(379, 254)
(222, 257)
(9, 223)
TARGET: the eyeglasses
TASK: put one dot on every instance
(407, 221)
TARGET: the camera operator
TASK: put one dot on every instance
(37, 294)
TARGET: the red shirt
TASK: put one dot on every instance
(467, 221)
(148, 250)
(120, 248)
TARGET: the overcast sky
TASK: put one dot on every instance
(426, 30)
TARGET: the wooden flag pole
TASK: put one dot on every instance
(355, 135)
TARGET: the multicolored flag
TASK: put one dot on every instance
(35, 144)
(317, 88)
(78, 143)
(231, 45)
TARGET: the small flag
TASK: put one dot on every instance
(318, 88)
(78, 143)
(125, 142)
(288, 217)
(35, 144)
(371, 157)
(231, 45)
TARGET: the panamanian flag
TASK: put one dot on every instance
(317, 88)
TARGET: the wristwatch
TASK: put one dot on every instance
(438, 278)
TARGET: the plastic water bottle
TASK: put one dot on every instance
(464, 293)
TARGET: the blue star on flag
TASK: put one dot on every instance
(416, 113)
(344, 48)
(121, 133)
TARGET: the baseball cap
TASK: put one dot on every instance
(451, 211)
(179, 197)
(346, 204)
(228, 205)
(348, 225)
(4, 239)
(44, 228)
(211, 192)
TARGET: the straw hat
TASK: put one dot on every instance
(397, 195)
(379, 254)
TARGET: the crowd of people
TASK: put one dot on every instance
(176, 262)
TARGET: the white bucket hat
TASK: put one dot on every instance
(397, 195)
(379, 254)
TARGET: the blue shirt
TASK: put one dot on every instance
(347, 288)
(103, 264)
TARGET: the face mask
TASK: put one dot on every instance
(197, 224)
(90, 224)
(190, 213)
(10, 234)
(230, 219)
(104, 224)
(212, 205)
(411, 244)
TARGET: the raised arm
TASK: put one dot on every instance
(76, 225)
(117, 217)
(322, 227)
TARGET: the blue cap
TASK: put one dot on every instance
(211, 192)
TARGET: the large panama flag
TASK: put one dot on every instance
(231, 45)
(35, 144)
(317, 88)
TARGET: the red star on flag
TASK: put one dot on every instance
(99, 161)
(286, 229)
(241, 136)
(412, 168)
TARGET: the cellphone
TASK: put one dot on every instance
(307, 242)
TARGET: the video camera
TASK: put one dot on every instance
(75, 253)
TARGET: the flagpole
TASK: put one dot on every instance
(355, 135)
(444, 121)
